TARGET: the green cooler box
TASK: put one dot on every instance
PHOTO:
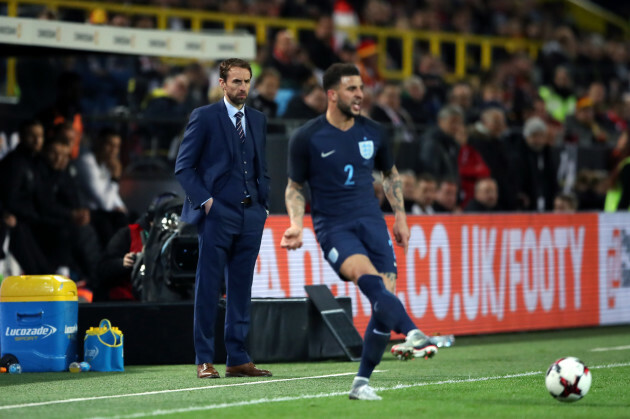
(38, 321)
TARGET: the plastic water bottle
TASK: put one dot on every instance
(443, 340)
(15, 369)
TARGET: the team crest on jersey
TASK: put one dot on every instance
(366, 147)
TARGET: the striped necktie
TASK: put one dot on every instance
(239, 126)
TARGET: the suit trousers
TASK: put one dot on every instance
(229, 242)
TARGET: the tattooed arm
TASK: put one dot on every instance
(392, 187)
(295, 202)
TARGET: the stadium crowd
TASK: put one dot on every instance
(528, 135)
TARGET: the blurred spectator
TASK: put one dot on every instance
(18, 171)
(591, 188)
(559, 97)
(438, 147)
(425, 19)
(198, 86)
(264, 93)
(532, 160)
(446, 196)
(432, 71)
(618, 195)
(368, 101)
(492, 95)
(66, 108)
(376, 13)
(592, 63)
(488, 138)
(99, 172)
(486, 196)
(620, 78)
(309, 104)
(348, 53)
(462, 95)
(555, 129)
(413, 101)
(164, 115)
(18, 198)
(565, 203)
(409, 184)
(285, 59)
(320, 43)
(597, 94)
(583, 129)
(63, 229)
(471, 166)
(344, 15)
(520, 87)
(425, 195)
(388, 110)
(368, 64)
(560, 50)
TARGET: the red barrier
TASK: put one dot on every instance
(470, 274)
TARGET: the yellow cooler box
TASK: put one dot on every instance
(38, 321)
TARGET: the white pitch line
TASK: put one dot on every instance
(150, 393)
(611, 348)
(323, 395)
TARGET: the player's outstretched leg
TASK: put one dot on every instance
(375, 341)
(386, 307)
(389, 311)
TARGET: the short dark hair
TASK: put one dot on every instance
(335, 72)
(26, 126)
(426, 177)
(447, 180)
(266, 72)
(103, 137)
(59, 134)
(227, 65)
(569, 198)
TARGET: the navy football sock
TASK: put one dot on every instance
(374, 343)
(386, 307)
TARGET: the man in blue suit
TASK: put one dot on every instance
(221, 166)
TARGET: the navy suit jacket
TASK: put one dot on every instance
(206, 156)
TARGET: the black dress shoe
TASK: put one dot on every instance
(207, 370)
(246, 370)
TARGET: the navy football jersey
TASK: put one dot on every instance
(338, 167)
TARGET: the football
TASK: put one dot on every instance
(568, 379)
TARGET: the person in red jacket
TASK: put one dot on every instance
(121, 253)
(470, 165)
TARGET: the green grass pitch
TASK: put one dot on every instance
(498, 376)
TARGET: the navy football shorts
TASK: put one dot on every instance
(366, 236)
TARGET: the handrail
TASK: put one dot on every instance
(436, 40)
(593, 17)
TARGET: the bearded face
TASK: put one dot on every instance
(236, 85)
(350, 96)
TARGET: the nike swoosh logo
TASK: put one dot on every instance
(324, 155)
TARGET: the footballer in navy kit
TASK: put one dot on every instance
(338, 166)
(336, 154)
